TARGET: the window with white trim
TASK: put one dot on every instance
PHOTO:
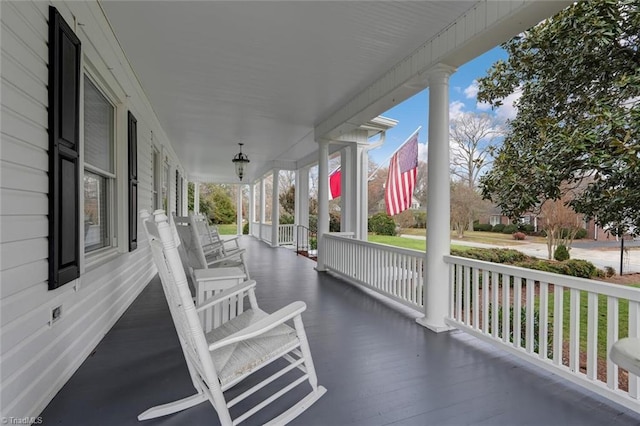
(99, 169)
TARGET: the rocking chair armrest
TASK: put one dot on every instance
(226, 294)
(290, 311)
(234, 256)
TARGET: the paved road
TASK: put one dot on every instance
(600, 253)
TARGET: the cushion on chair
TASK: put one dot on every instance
(626, 353)
(240, 358)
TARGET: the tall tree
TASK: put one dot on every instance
(578, 118)
(471, 137)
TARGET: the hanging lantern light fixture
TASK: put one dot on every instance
(240, 160)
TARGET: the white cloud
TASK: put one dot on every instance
(483, 106)
(471, 91)
(422, 152)
(508, 110)
(455, 110)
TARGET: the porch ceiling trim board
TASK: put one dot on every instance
(484, 26)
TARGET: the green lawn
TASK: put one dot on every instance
(408, 243)
(480, 237)
(228, 229)
(623, 321)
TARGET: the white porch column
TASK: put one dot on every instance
(323, 199)
(302, 197)
(196, 197)
(362, 176)
(261, 204)
(239, 209)
(347, 195)
(275, 208)
(436, 294)
(252, 207)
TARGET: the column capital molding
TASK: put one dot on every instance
(439, 73)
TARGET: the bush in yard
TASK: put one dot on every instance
(382, 224)
(526, 228)
(245, 228)
(285, 219)
(510, 229)
(519, 236)
(498, 228)
(561, 253)
(485, 227)
(580, 234)
(609, 271)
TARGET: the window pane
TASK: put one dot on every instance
(98, 128)
(96, 220)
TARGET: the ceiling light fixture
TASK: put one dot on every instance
(241, 161)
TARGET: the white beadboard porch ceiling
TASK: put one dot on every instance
(266, 73)
(262, 73)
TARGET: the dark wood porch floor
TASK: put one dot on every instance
(378, 365)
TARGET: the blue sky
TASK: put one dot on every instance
(414, 111)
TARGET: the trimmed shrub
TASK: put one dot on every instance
(609, 271)
(582, 233)
(382, 224)
(498, 228)
(561, 253)
(245, 228)
(485, 227)
(527, 229)
(286, 219)
(510, 229)
(519, 236)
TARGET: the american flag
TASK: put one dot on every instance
(401, 180)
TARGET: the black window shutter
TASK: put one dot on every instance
(133, 181)
(64, 142)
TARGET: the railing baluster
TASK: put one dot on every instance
(574, 330)
(517, 311)
(612, 337)
(634, 332)
(476, 296)
(459, 283)
(467, 295)
(485, 301)
(452, 286)
(530, 295)
(592, 336)
(543, 320)
(494, 304)
(506, 309)
(558, 311)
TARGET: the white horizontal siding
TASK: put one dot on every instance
(37, 358)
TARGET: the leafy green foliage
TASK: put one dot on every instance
(498, 227)
(578, 117)
(561, 253)
(223, 210)
(382, 224)
(288, 200)
(510, 229)
(486, 227)
(573, 267)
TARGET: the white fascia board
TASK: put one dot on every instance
(483, 27)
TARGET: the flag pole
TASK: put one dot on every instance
(394, 153)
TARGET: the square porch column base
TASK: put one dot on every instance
(437, 328)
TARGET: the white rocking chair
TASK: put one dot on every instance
(206, 255)
(236, 349)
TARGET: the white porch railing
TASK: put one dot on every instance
(394, 272)
(286, 234)
(541, 317)
(255, 229)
